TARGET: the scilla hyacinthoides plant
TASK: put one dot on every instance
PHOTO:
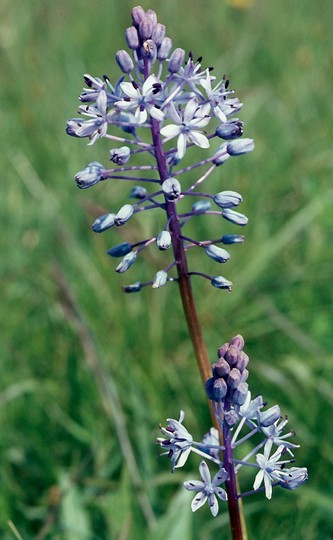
(162, 106)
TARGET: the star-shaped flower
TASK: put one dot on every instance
(143, 100)
(273, 432)
(270, 468)
(96, 126)
(188, 122)
(179, 442)
(208, 489)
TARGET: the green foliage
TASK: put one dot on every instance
(88, 373)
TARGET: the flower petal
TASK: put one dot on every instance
(198, 501)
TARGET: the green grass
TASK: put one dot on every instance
(88, 373)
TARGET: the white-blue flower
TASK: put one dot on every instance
(142, 100)
(187, 126)
(179, 442)
(270, 468)
(208, 489)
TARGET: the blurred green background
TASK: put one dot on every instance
(88, 373)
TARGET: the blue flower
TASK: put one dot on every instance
(179, 442)
(141, 100)
(270, 468)
(208, 489)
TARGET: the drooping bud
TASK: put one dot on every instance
(218, 254)
(227, 199)
(138, 192)
(221, 155)
(296, 476)
(221, 283)
(120, 250)
(124, 214)
(163, 240)
(160, 279)
(234, 217)
(232, 239)
(176, 60)
(103, 222)
(89, 176)
(239, 147)
(124, 61)
(230, 130)
(127, 262)
(135, 287)
(121, 155)
(201, 206)
(171, 188)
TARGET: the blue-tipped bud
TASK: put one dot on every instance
(103, 222)
(121, 155)
(267, 418)
(146, 28)
(124, 61)
(218, 254)
(171, 188)
(176, 60)
(89, 176)
(160, 279)
(138, 14)
(132, 37)
(221, 155)
(201, 206)
(220, 389)
(163, 240)
(235, 217)
(120, 250)
(221, 283)
(138, 192)
(127, 262)
(233, 378)
(158, 34)
(230, 130)
(232, 239)
(227, 199)
(296, 477)
(124, 214)
(241, 146)
(240, 393)
(135, 287)
(164, 49)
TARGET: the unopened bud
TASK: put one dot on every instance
(176, 60)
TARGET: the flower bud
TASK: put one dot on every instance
(176, 60)
(231, 418)
(267, 418)
(160, 279)
(233, 378)
(138, 192)
(242, 361)
(121, 155)
(230, 130)
(240, 393)
(218, 254)
(242, 146)
(221, 283)
(132, 38)
(238, 342)
(124, 61)
(163, 240)
(220, 368)
(135, 287)
(232, 239)
(103, 222)
(149, 50)
(89, 176)
(146, 28)
(138, 14)
(151, 14)
(164, 49)
(231, 356)
(127, 262)
(171, 188)
(120, 250)
(227, 199)
(296, 476)
(201, 206)
(219, 389)
(244, 375)
(222, 350)
(221, 155)
(158, 34)
(234, 217)
(124, 214)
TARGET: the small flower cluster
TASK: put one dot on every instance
(161, 97)
(239, 418)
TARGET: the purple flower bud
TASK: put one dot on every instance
(138, 192)
(164, 49)
(176, 60)
(220, 368)
(242, 146)
(132, 37)
(233, 378)
(231, 355)
(127, 262)
(267, 418)
(240, 393)
(120, 250)
(163, 240)
(138, 14)
(151, 14)
(230, 130)
(221, 283)
(135, 287)
(146, 28)
(244, 374)
(124, 214)
(103, 222)
(149, 50)
(160, 279)
(222, 350)
(242, 361)
(219, 389)
(238, 342)
(89, 176)
(171, 188)
(296, 476)
(121, 155)
(218, 254)
(227, 199)
(232, 239)
(158, 34)
(235, 217)
(231, 418)
(124, 61)
(201, 206)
